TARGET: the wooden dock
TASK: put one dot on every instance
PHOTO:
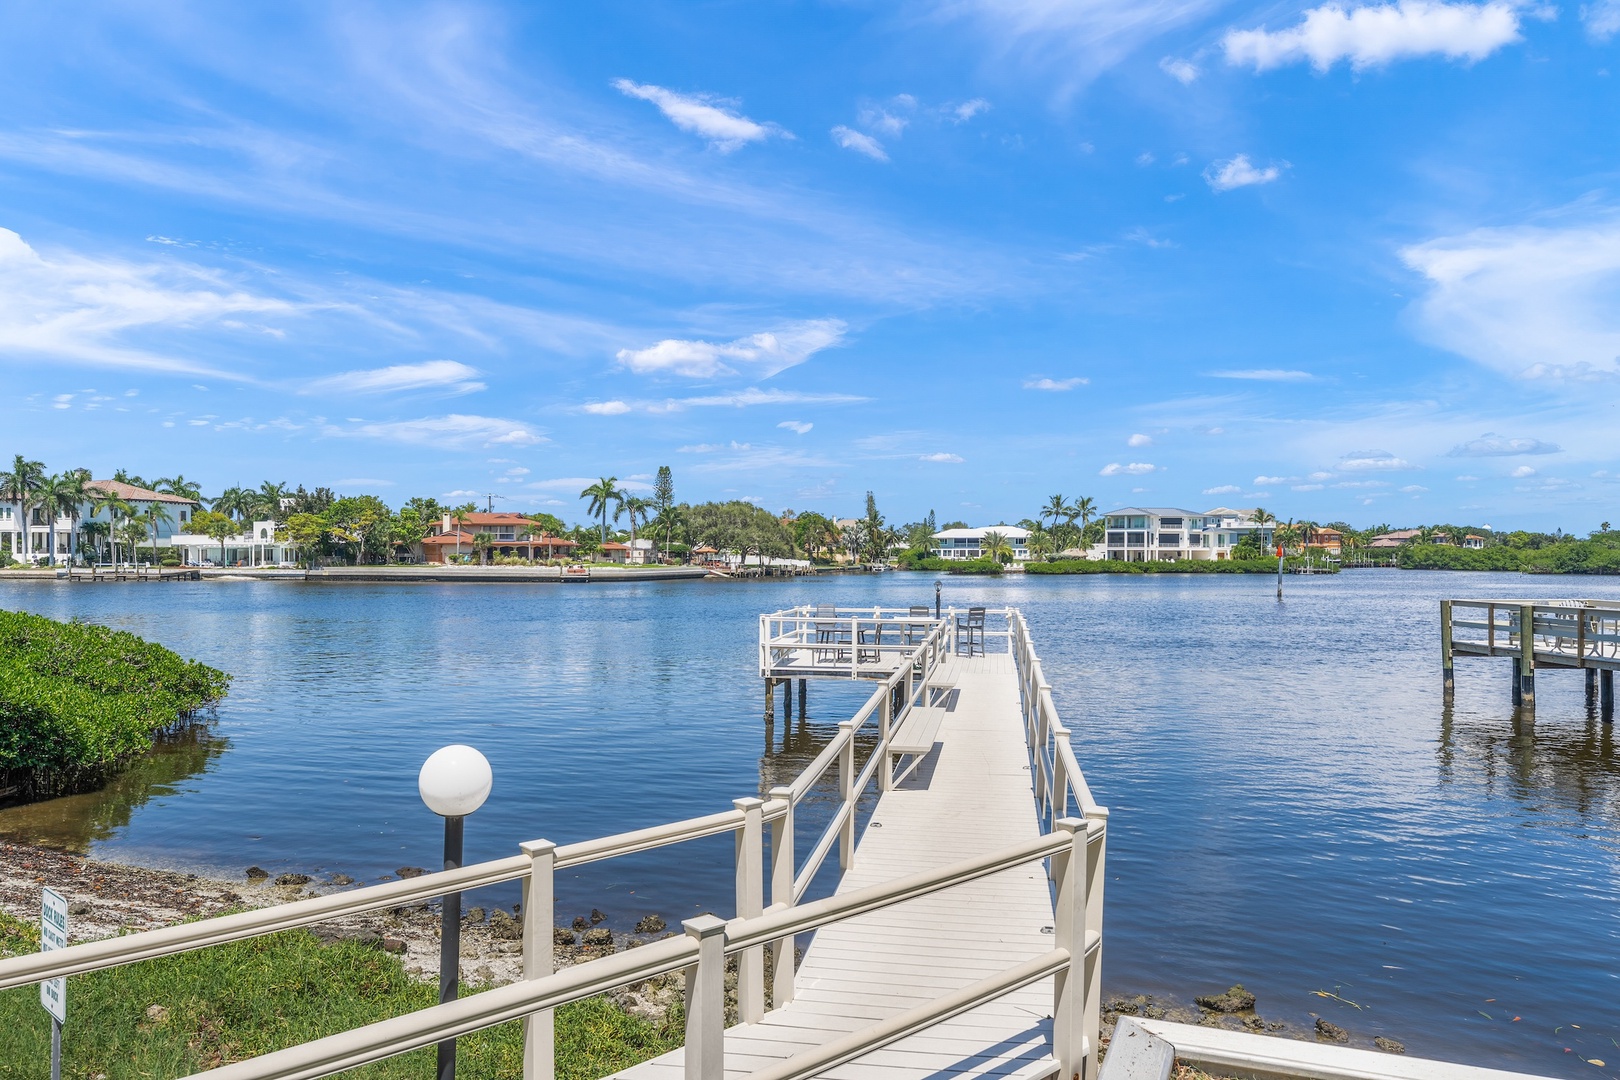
(1577, 635)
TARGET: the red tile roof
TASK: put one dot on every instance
(129, 493)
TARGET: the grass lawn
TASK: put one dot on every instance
(236, 1001)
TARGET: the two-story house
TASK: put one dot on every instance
(969, 543)
(1155, 533)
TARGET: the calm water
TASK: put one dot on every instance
(1293, 807)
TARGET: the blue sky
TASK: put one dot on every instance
(1347, 262)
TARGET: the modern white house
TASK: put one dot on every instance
(1153, 533)
(253, 546)
(969, 543)
(32, 537)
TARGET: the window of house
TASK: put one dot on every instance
(1116, 539)
(1170, 539)
(1169, 523)
(1135, 539)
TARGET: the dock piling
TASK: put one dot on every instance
(1447, 674)
(804, 695)
(1606, 696)
(787, 702)
(770, 701)
(1527, 656)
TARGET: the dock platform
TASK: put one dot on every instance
(1580, 635)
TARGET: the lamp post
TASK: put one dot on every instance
(936, 599)
(453, 782)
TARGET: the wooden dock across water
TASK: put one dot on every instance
(1582, 635)
(971, 795)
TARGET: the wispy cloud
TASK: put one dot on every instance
(798, 427)
(1264, 375)
(703, 114)
(737, 399)
(605, 408)
(860, 142)
(967, 110)
(1223, 489)
(1135, 468)
(942, 458)
(1055, 385)
(454, 431)
(1379, 34)
(447, 375)
(1239, 172)
(889, 118)
(1372, 461)
(1521, 472)
(1139, 440)
(1491, 444)
(763, 354)
(1183, 71)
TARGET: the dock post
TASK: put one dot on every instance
(750, 851)
(1591, 686)
(539, 1029)
(787, 702)
(770, 701)
(782, 895)
(1447, 676)
(1518, 688)
(706, 1000)
(1527, 656)
(1606, 696)
(886, 715)
(847, 792)
(804, 694)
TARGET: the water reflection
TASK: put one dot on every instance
(75, 822)
(1569, 762)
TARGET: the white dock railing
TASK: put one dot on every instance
(1576, 632)
(820, 641)
(1074, 848)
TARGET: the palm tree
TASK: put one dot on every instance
(459, 516)
(603, 494)
(155, 513)
(481, 544)
(233, 502)
(1084, 509)
(18, 485)
(1055, 508)
(1039, 542)
(132, 532)
(179, 485)
(995, 546)
(59, 495)
(1261, 519)
(116, 508)
(634, 505)
(94, 532)
(267, 500)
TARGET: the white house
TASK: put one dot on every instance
(969, 543)
(173, 512)
(1152, 533)
(253, 546)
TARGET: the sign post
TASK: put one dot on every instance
(53, 934)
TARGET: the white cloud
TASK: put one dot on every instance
(448, 375)
(1135, 468)
(455, 431)
(605, 408)
(1371, 461)
(1378, 34)
(1414, 489)
(1521, 472)
(762, 354)
(1239, 172)
(890, 119)
(711, 448)
(1467, 479)
(1055, 385)
(743, 399)
(943, 458)
(1602, 19)
(1307, 487)
(1224, 489)
(1264, 375)
(860, 142)
(1183, 71)
(1264, 481)
(798, 427)
(1491, 444)
(703, 114)
(1533, 300)
(1319, 476)
(969, 109)
(1145, 158)
(1139, 440)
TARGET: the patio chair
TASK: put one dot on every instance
(972, 626)
(917, 632)
(829, 635)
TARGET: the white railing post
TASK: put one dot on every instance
(539, 896)
(1059, 804)
(1043, 777)
(885, 720)
(1096, 868)
(854, 647)
(751, 905)
(1069, 932)
(706, 1000)
(782, 897)
(846, 791)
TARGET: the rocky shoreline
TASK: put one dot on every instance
(109, 898)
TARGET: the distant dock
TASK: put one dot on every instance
(1581, 635)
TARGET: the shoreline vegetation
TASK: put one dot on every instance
(77, 701)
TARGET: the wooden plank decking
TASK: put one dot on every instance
(972, 795)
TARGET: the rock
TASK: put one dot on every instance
(342, 879)
(257, 873)
(599, 936)
(1326, 1029)
(650, 924)
(597, 916)
(157, 1013)
(79, 908)
(410, 871)
(581, 923)
(293, 879)
(1389, 1045)
(393, 945)
(503, 927)
(561, 936)
(474, 916)
(1234, 1000)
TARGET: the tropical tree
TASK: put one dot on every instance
(853, 538)
(267, 500)
(1286, 537)
(306, 532)
(1040, 542)
(59, 495)
(1055, 508)
(117, 510)
(179, 485)
(996, 546)
(459, 516)
(93, 533)
(155, 514)
(19, 484)
(216, 526)
(1082, 509)
(234, 502)
(131, 532)
(407, 529)
(603, 495)
(124, 476)
(635, 506)
(481, 544)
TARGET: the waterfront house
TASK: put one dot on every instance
(509, 533)
(614, 552)
(1473, 541)
(1325, 541)
(969, 543)
(1155, 533)
(255, 545)
(1394, 539)
(64, 537)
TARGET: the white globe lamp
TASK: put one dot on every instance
(455, 781)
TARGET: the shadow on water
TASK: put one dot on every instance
(1570, 763)
(75, 822)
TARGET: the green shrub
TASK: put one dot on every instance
(77, 700)
(1178, 566)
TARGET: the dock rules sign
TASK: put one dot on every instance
(53, 934)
